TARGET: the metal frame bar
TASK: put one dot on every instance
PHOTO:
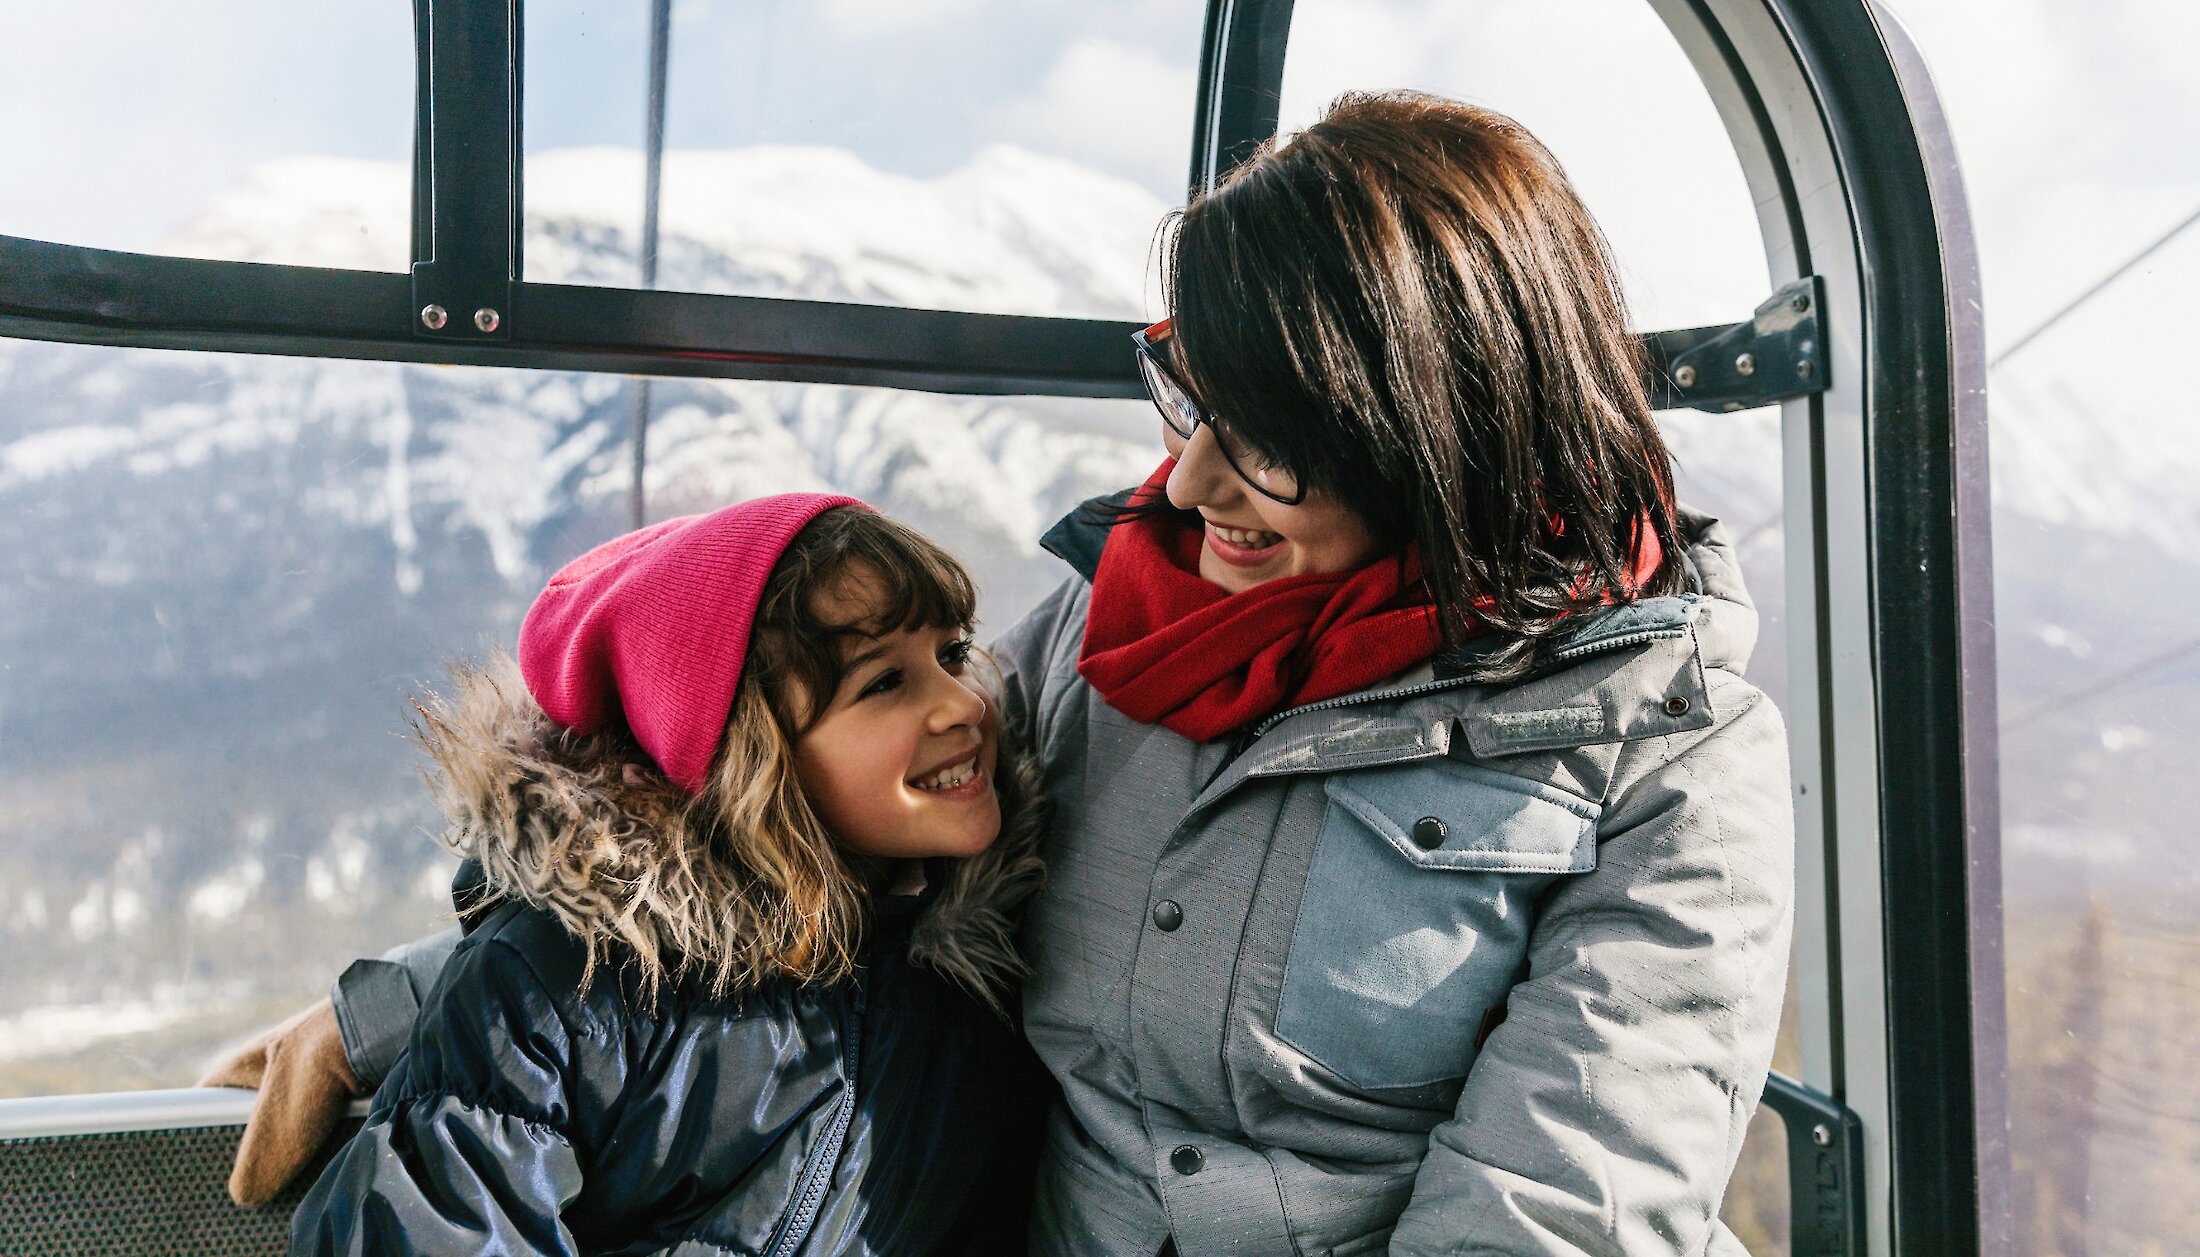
(466, 187)
(97, 296)
(186, 1108)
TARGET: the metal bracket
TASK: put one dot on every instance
(1780, 353)
(1825, 1170)
(466, 178)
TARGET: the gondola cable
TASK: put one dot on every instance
(660, 46)
(2070, 307)
(2161, 659)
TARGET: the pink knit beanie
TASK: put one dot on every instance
(652, 627)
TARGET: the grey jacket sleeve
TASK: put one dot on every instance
(377, 1002)
(1034, 652)
(1607, 1111)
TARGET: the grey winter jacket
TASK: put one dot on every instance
(1435, 967)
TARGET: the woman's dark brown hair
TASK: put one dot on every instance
(1407, 304)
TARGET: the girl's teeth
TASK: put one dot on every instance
(951, 778)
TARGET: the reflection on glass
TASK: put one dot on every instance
(2095, 460)
(868, 152)
(251, 131)
(1600, 82)
(223, 575)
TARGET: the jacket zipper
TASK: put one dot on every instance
(1587, 649)
(1568, 655)
(819, 1175)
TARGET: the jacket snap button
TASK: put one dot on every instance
(1428, 833)
(1167, 915)
(1676, 706)
(1187, 1159)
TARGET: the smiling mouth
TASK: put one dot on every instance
(1242, 545)
(954, 776)
(1245, 538)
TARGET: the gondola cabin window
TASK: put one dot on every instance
(866, 151)
(226, 573)
(249, 130)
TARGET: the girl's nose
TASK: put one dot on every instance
(957, 705)
(1200, 477)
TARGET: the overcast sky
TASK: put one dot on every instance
(2079, 126)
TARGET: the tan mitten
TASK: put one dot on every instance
(305, 1084)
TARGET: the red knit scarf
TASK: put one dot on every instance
(1165, 646)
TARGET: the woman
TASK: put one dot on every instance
(1420, 870)
(1421, 866)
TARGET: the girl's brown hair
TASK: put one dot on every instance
(1408, 305)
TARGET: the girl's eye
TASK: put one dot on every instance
(956, 654)
(882, 683)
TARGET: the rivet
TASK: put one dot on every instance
(1746, 364)
(1822, 1135)
(1803, 368)
(1799, 302)
(1677, 705)
(434, 317)
(1685, 376)
(486, 319)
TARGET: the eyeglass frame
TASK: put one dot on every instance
(1153, 360)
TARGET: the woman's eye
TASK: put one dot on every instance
(956, 654)
(882, 683)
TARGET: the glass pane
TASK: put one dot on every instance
(2096, 595)
(223, 575)
(1603, 85)
(221, 578)
(251, 130)
(984, 476)
(984, 155)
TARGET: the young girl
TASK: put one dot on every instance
(749, 855)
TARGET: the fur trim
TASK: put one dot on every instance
(968, 934)
(588, 830)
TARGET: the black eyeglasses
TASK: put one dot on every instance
(1181, 417)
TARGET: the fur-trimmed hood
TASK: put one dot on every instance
(585, 828)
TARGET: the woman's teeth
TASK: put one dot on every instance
(1246, 538)
(949, 778)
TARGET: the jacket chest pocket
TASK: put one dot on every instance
(1415, 919)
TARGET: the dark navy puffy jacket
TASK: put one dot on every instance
(893, 1114)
